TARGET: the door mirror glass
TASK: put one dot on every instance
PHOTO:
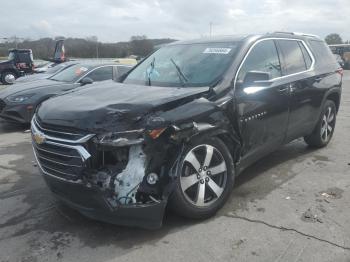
(86, 81)
(253, 78)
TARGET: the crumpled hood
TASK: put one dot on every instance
(27, 87)
(109, 107)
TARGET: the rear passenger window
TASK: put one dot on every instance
(263, 58)
(322, 52)
(307, 58)
(293, 57)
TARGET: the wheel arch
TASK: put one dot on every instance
(230, 140)
(335, 97)
(11, 70)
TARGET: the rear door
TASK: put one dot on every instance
(306, 96)
(262, 109)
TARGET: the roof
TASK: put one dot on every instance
(216, 39)
(20, 50)
(238, 38)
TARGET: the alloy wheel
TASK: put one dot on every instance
(203, 175)
(327, 125)
(9, 78)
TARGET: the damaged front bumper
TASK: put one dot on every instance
(107, 184)
(92, 203)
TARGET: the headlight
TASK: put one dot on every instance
(19, 98)
(121, 139)
(127, 138)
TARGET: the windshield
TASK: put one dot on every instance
(71, 74)
(188, 65)
(11, 56)
(56, 68)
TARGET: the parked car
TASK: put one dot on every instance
(183, 124)
(339, 60)
(18, 102)
(47, 74)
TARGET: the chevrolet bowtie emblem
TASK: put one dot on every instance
(39, 138)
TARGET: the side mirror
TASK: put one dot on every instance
(86, 81)
(254, 77)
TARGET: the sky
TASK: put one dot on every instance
(118, 20)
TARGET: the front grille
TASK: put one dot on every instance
(58, 131)
(62, 158)
(2, 105)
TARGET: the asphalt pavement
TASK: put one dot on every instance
(293, 205)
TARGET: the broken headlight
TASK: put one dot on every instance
(120, 139)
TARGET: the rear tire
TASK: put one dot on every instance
(8, 77)
(324, 129)
(204, 180)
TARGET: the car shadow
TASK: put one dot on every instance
(10, 127)
(59, 221)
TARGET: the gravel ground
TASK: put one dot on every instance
(290, 206)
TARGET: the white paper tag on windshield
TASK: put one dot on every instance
(222, 51)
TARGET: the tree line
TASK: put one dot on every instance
(88, 47)
(335, 39)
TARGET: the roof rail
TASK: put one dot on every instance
(297, 33)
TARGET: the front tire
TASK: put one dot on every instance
(324, 129)
(205, 178)
(8, 78)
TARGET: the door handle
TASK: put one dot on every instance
(318, 79)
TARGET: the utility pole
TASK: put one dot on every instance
(210, 29)
(97, 49)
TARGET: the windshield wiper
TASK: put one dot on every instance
(183, 79)
(151, 71)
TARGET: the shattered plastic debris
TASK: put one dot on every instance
(332, 193)
(309, 216)
(325, 195)
(128, 181)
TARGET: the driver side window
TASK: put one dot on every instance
(264, 58)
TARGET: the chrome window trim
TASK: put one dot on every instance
(311, 68)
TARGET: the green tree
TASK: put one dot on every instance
(333, 39)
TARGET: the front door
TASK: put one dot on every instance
(263, 109)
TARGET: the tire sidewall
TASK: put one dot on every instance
(315, 138)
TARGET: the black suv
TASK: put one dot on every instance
(184, 123)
